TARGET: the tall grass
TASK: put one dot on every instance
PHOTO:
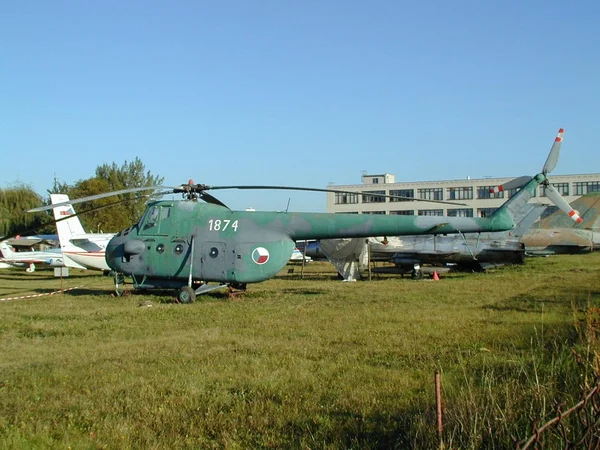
(297, 363)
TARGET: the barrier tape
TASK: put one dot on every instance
(39, 295)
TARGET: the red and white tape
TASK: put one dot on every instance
(39, 295)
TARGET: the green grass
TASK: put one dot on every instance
(296, 363)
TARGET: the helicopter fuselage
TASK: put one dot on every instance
(177, 242)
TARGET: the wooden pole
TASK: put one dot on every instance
(438, 404)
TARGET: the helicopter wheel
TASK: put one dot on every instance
(186, 295)
(417, 274)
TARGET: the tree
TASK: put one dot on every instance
(126, 209)
(129, 175)
(14, 218)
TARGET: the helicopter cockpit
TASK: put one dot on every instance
(153, 218)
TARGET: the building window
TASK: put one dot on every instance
(402, 193)
(431, 194)
(374, 212)
(460, 193)
(373, 197)
(343, 198)
(375, 180)
(431, 212)
(406, 212)
(485, 212)
(585, 187)
(484, 192)
(549, 210)
(460, 212)
(562, 188)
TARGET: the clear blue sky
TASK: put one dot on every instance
(297, 92)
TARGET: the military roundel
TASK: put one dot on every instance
(260, 255)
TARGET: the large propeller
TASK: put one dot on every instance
(550, 190)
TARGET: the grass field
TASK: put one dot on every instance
(297, 363)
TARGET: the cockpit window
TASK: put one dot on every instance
(152, 217)
(150, 223)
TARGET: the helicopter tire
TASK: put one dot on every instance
(186, 295)
(417, 275)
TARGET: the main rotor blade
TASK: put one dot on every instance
(210, 199)
(552, 159)
(99, 196)
(297, 188)
(562, 204)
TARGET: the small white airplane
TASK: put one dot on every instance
(80, 250)
(29, 259)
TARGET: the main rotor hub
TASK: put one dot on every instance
(191, 191)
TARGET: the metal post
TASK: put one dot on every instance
(368, 257)
(191, 262)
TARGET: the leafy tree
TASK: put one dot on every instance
(129, 175)
(126, 209)
(14, 218)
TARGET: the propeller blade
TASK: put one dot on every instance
(99, 196)
(512, 184)
(552, 159)
(562, 204)
(297, 188)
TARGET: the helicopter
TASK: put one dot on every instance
(187, 244)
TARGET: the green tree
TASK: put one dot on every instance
(114, 213)
(14, 218)
(129, 175)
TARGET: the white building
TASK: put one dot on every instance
(473, 193)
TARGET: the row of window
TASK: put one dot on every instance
(456, 212)
(455, 193)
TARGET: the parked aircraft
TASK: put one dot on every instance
(81, 250)
(29, 258)
(557, 234)
(467, 251)
(186, 244)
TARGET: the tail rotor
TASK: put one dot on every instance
(550, 190)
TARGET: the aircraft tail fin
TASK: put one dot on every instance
(66, 228)
(6, 251)
(588, 207)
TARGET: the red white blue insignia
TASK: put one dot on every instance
(260, 255)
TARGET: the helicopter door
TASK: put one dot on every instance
(213, 261)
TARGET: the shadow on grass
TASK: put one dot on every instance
(352, 430)
(532, 301)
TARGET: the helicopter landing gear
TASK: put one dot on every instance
(186, 295)
(119, 282)
(417, 273)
